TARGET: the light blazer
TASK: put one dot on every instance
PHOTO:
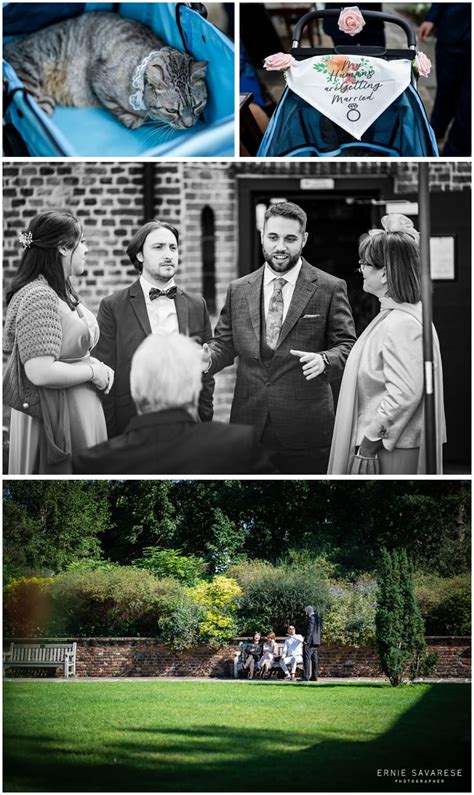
(319, 319)
(390, 382)
(124, 324)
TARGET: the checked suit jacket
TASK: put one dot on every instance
(319, 319)
(124, 324)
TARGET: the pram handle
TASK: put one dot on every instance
(402, 23)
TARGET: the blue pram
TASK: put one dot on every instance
(28, 131)
(297, 129)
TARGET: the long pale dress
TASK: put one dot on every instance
(73, 418)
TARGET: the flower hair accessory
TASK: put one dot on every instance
(26, 239)
(396, 222)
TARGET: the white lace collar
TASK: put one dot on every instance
(138, 81)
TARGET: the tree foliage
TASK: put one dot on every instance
(48, 524)
(399, 625)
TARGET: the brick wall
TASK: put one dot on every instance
(109, 200)
(148, 657)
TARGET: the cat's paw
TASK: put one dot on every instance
(131, 120)
(47, 104)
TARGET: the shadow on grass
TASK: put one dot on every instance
(215, 758)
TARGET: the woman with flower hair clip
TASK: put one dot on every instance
(51, 382)
(379, 427)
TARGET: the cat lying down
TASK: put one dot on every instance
(102, 59)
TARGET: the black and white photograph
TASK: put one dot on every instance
(218, 319)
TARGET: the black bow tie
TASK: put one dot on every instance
(156, 293)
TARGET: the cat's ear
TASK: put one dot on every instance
(198, 69)
(155, 71)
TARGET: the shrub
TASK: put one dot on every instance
(274, 597)
(350, 617)
(119, 601)
(218, 600)
(27, 607)
(445, 603)
(187, 569)
(179, 621)
(91, 564)
(399, 624)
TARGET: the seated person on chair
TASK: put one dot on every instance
(291, 653)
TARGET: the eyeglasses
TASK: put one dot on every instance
(363, 264)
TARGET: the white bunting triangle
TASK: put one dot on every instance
(351, 90)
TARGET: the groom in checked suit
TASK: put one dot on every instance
(152, 304)
(291, 326)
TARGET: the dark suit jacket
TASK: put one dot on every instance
(124, 324)
(170, 442)
(312, 633)
(319, 319)
(452, 21)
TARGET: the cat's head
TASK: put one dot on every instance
(175, 90)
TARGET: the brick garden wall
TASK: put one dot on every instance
(112, 657)
(109, 199)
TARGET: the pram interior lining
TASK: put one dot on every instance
(298, 130)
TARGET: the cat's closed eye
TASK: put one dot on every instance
(171, 110)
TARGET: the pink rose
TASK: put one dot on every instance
(350, 20)
(422, 64)
(278, 62)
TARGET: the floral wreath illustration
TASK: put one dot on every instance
(341, 72)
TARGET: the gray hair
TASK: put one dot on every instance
(309, 609)
(166, 373)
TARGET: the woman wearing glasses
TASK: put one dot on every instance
(379, 426)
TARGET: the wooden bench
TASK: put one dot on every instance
(239, 658)
(41, 655)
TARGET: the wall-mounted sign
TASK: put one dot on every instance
(443, 264)
(316, 184)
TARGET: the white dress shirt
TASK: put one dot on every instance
(269, 277)
(161, 311)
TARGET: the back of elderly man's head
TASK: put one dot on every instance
(166, 373)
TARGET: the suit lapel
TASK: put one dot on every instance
(254, 295)
(305, 286)
(182, 312)
(137, 301)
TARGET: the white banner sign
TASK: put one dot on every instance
(351, 90)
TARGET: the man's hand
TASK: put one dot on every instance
(206, 357)
(313, 363)
(425, 30)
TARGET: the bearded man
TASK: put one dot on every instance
(291, 326)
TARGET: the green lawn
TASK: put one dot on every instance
(229, 736)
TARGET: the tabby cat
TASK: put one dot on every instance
(103, 59)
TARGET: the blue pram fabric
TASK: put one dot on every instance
(297, 129)
(95, 132)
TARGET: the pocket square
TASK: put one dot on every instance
(309, 316)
